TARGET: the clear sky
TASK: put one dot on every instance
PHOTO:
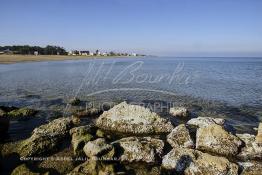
(158, 27)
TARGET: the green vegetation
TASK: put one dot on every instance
(31, 50)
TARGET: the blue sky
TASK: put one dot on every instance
(158, 27)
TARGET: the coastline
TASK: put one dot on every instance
(11, 59)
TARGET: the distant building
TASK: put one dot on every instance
(85, 53)
(134, 54)
(97, 52)
(35, 53)
(104, 54)
(91, 53)
(73, 52)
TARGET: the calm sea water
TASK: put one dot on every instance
(234, 82)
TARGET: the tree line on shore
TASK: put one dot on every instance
(55, 50)
(31, 50)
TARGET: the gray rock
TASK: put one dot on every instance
(250, 168)
(179, 112)
(46, 137)
(251, 150)
(97, 147)
(205, 121)
(180, 137)
(133, 119)
(193, 162)
(178, 159)
(80, 136)
(139, 149)
(216, 140)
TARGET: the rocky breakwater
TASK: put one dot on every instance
(130, 139)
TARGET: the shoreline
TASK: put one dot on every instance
(12, 59)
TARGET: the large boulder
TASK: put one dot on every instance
(180, 137)
(250, 168)
(201, 122)
(46, 137)
(259, 135)
(179, 112)
(80, 136)
(133, 119)
(216, 140)
(193, 162)
(139, 149)
(251, 150)
(24, 170)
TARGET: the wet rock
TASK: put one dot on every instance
(216, 140)
(74, 101)
(251, 150)
(179, 112)
(46, 137)
(80, 136)
(180, 137)
(92, 112)
(205, 121)
(250, 168)
(97, 147)
(93, 167)
(193, 162)
(139, 149)
(20, 113)
(23, 170)
(259, 135)
(133, 119)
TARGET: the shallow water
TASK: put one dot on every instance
(231, 87)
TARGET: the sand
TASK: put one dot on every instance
(9, 59)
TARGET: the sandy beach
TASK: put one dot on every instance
(9, 59)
